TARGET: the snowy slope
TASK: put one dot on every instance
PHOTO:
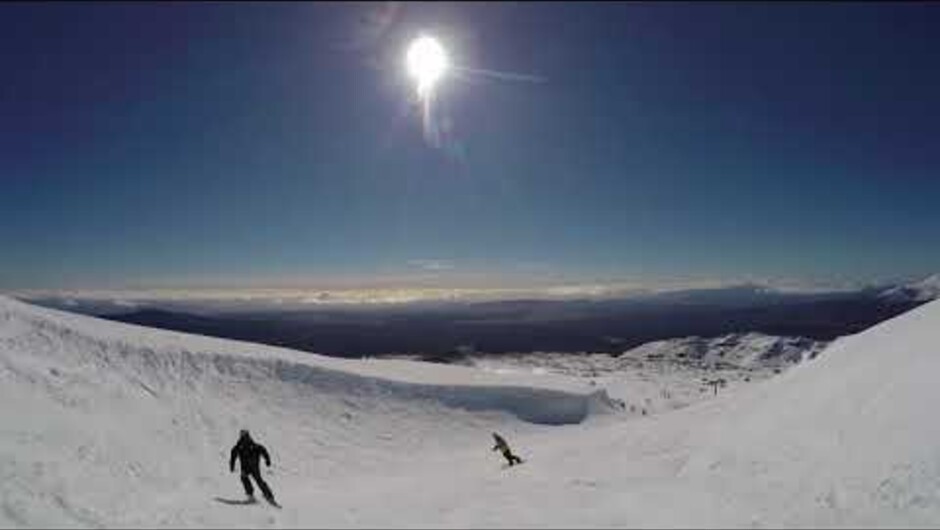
(850, 439)
(923, 291)
(104, 424)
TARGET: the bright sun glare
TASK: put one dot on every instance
(426, 62)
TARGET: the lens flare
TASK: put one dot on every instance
(427, 62)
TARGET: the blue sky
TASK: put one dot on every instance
(211, 144)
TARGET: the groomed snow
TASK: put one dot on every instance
(106, 424)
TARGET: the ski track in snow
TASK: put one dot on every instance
(105, 424)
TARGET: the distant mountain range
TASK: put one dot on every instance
(446, 331)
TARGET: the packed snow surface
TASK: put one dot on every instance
(106, 424)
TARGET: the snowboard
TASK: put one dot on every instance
(246, 502)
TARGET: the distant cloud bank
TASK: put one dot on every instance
(286, 298)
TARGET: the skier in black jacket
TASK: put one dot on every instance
(504, 447)
(249, 454)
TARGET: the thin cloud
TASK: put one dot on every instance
(432, 264)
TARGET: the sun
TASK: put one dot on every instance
(427, 62)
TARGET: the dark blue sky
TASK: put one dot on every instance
(205, 143)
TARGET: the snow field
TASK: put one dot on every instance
(104, 424)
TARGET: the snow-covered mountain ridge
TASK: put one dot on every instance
(923, 291)
(745, 351)
(739, 350)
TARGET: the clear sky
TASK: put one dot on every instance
(178, 144)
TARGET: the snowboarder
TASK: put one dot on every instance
(504, 447)
(249, 454)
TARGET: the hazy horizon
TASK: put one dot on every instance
(299, 297)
